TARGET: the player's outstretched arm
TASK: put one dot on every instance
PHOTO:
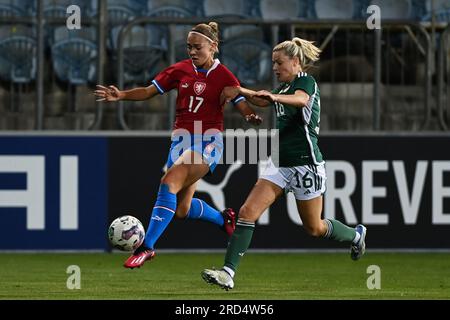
(247, 112)
(299, 99)
(111, 93)
(229, 93)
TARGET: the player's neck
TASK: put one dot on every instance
(207, 65)
(294, 75)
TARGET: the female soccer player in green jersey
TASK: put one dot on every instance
(301, 167)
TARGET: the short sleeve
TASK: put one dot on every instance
(277, 89)
(305, 83)
(166, 80)
(230, 80)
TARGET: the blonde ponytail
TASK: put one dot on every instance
(305, 50)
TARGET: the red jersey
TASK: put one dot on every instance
(198, 93)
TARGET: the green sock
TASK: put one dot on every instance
(239, 243)
(339, 231)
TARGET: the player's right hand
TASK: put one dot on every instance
(110, 93)
(253, 119)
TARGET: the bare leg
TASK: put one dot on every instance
(263, 194)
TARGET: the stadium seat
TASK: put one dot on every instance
(55, 11)
(213, 8)
(74, 55)
(170, 11)
(18, 63)
(118, 16)
(394, 9)
(236, 10)
(330, 9)
(74, 60)
(18, 59)
(274, 10)
(179, 36)
(87, 7)
(441, 11)
(242, 31)
(250, 60)
(17, 54)
(438, 5)
(442, 16)
(62, 33)
(152, 33)
(141, 55)
(8, 10)
(185, 4)
(138, 6)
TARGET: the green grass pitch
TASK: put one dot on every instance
(261, 276)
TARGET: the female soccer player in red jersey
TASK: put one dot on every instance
(196, 139)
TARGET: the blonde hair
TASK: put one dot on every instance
(305, 50)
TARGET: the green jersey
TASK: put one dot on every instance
(299, 126)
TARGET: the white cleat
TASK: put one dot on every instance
(218, 277)
(358, 249)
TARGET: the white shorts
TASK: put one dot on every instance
(306, 182)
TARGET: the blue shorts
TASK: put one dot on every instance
(210, 146)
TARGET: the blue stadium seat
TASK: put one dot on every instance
(330, 9)
(170, 11)
(138, 6)
(74, 55)
(10, 10)
(62, 33)
(118, 16)
(87, 7)
(237, 10)
(194, 6)
(213, 8)
(74, 60)
(141, 55)
(18, 59)
(276, 10)
(395, 9)
(441, 11)
(438, 5)
(250, 60)
(442, 16)
(179, 36)
(55, 11)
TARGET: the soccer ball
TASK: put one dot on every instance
(126, 233)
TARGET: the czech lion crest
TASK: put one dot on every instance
(199, 87)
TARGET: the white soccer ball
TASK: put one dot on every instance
(126, 233)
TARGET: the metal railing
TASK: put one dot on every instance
(380, 41)
(39, 21)
(416, 33)
(443, 80)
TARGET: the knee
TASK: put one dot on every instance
(247, 213)
(171, 182)
(315, 231)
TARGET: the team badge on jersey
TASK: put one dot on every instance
(199, 87)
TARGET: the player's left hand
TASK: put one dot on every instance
(264, 94)
(253, 119)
